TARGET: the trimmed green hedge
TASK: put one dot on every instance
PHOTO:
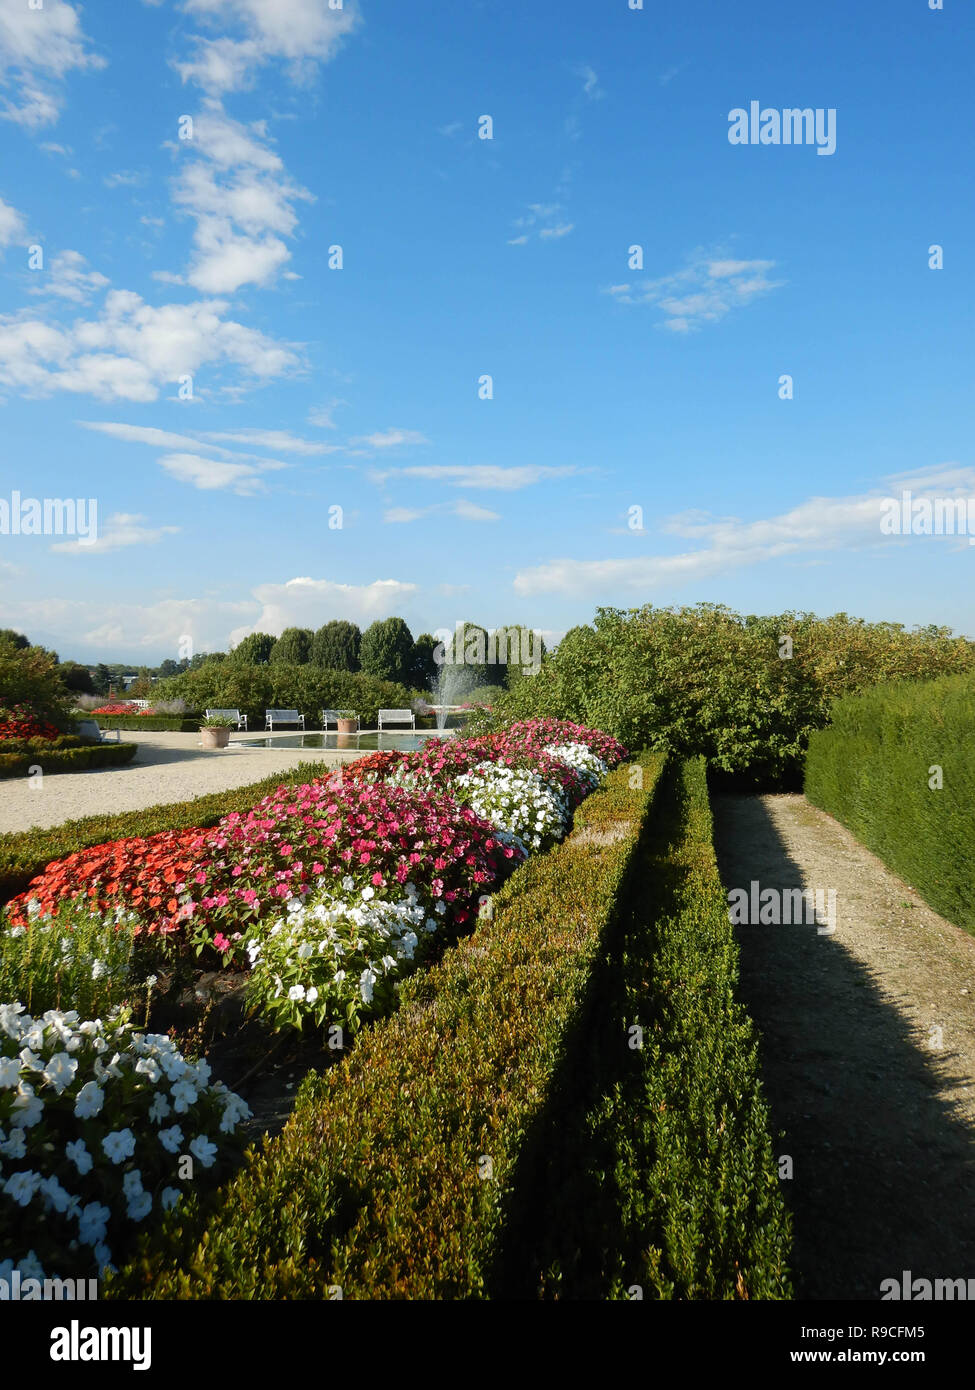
(149, 723)
(25, 855)
(652, 1174)
(873, 767)
(393, 1176)
(51, 759)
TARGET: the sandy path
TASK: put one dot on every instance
(167, 768)
(869, 1054)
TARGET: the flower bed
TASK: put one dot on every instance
(19, 723)
(93, 1119)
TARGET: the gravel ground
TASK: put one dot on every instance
(868, 1054)
(167, 768)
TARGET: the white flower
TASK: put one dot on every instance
(305, 950)
(89, 1101)
(9, 1020)
(79, 1156)
(31, 1107)
(311, 995)
(14, 1147)
(132, 1183)
(98, 969)
(60, 1071)
(170, 1196)
(296, 992)
(57, 1196)
(368, 893)
(202, 1149)
(93, 1223)
(171, 1139)
(30, 1060)
(119, 1145)
(159, 1108)
(9, 1072)
(149, 1067)
(184, 1095)
(367, 982)
(30, 1267)
(348, 883)
(102, 1257)
(20, 1187)
(139, 1206)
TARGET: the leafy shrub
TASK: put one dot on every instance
(75, 960)
(875, 769)
(707, 680)
(93, 1118)
(29, 682)
(308, 689)
(65, 755)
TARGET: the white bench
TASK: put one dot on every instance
(229, 714)
(283, 716)
(397, 716)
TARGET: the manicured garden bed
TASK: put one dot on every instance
(63, 755)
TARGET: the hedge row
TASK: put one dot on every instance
(393, 1176)
(52, 760)
(155, 723)
(653, 1173)
(25, 855)
(878, 767)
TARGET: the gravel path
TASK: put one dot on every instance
(167, 768)
(868, 1055)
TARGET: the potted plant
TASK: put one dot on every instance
(348, 721)
(215, 732)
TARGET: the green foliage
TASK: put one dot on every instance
(76, 678)
(30, 676)
(27, 854)
(386, 651)
(706, 680)
(293, 647)
(158, 723)
(63, 755)
(254, 649)
(875, 769)
(17, 639)
(335, 647)
(377, 1184)
(669, 1182)
(72, 961)
(308, 689)
(423, 668)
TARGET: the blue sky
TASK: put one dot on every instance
(316, 388)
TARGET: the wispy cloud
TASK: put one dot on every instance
(544, 220)
(298, 34)
(818, 525)
(390, 439)
(68, 278)
(211, 475)
(121, 530)
(704, 292)
(12, 225)
(590, 82)
(491, 477)
(466, 511)
(280, 440)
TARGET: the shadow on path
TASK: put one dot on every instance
(884, 1170)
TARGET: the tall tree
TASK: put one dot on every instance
(335, 646)
(423, 668)
(387, 650)
(254, 649)
(293, 646)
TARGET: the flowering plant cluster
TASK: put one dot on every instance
(20, 723)
(335, 960)
(582, 759)
(518, 802)
(539, 733)
(117, 707)
(94, 1121)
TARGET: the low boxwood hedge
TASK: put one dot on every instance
(651, 1174)
(897, 767)
(393, 1176)
(73, 757)
(148, 723)
(26, 854)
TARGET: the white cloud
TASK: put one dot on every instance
(38, 47)
(210, 475)
(121, 530)
(467, 511)
(132, 349)
(67, 278)
(241, 199)
(490, 476)
(390, 439)
(300, 33)
(323, 416)
(100, 628)
(544, 220)
(820, 524)
(12, 225)
(705, 291)
(124, 178)
(303, 602)
(274, 439)
(470, 511)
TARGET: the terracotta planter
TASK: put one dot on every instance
(345, 741)
(347, 726)
(214, 738)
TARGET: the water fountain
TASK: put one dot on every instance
(453, 681)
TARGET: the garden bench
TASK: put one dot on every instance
(397, 716)
(283, 716)
(229, 714)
